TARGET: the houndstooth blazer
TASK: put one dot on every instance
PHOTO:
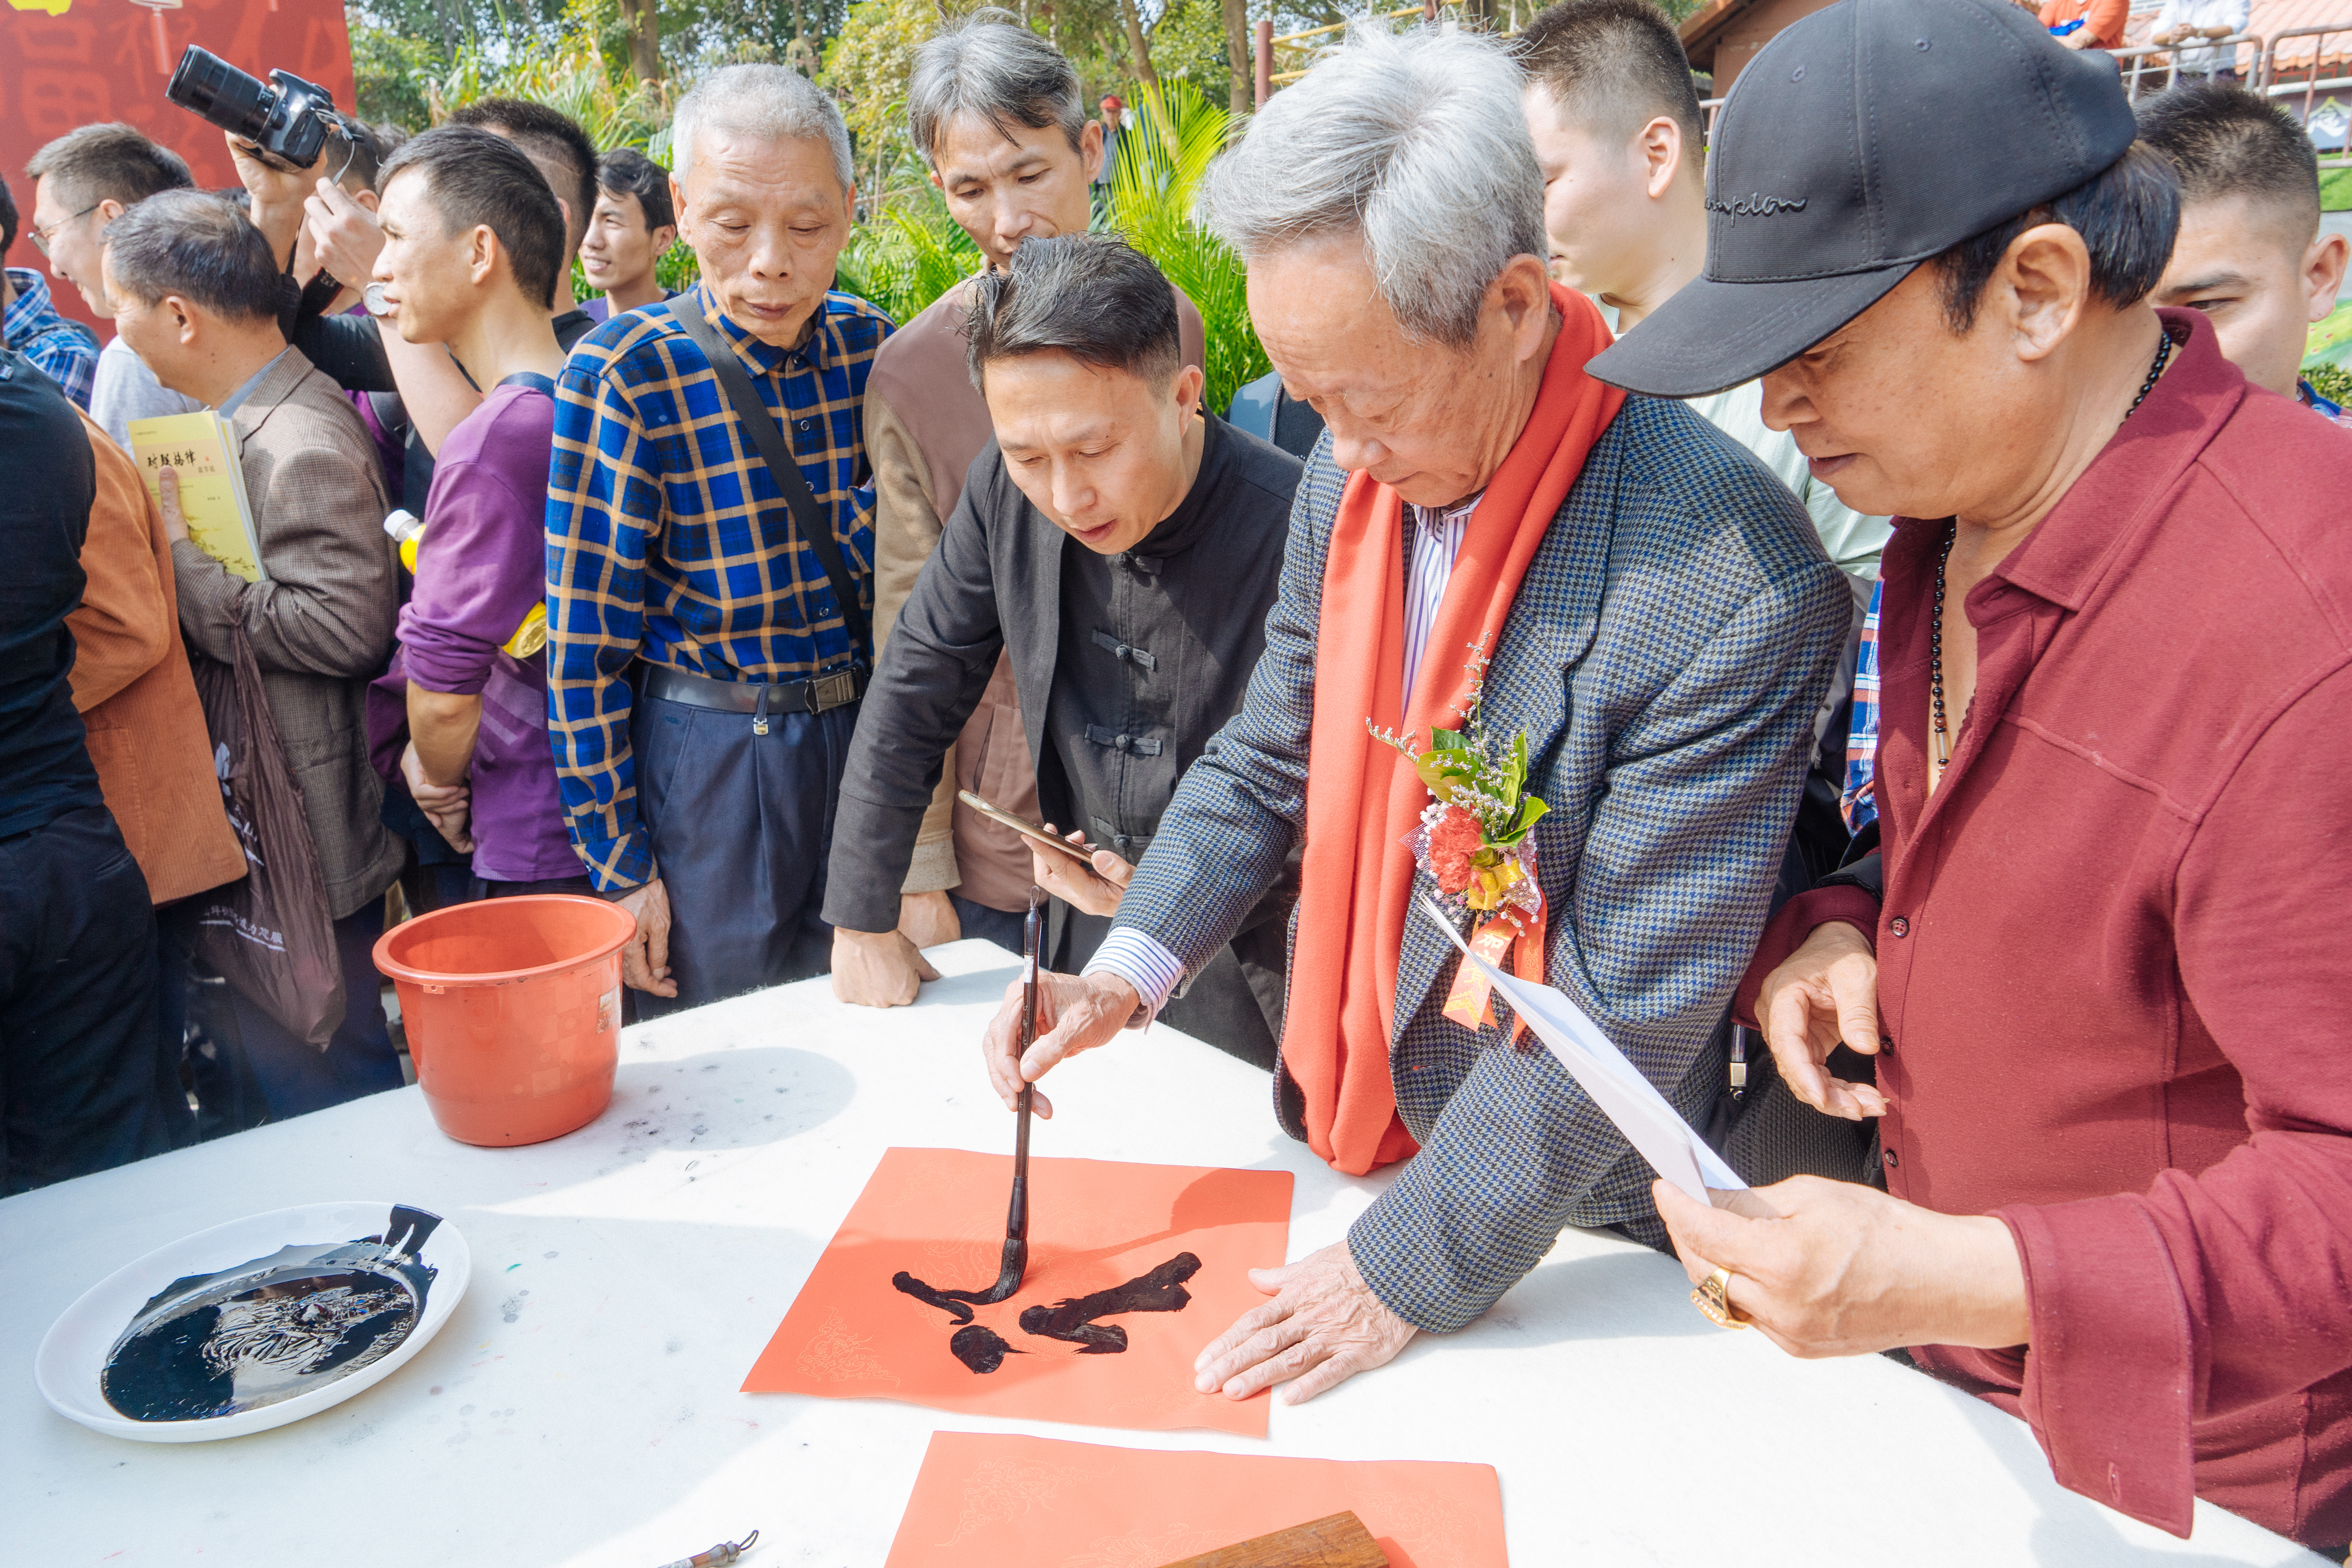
(1671, 642)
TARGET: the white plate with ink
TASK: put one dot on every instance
(254, 1324)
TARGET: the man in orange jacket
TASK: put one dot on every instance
(2101, 22)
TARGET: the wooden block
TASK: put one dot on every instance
(1339, 1541)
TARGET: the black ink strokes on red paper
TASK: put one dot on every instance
(979, 1347)
(1162, 1290)
(1071, 1321)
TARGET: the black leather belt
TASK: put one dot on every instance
(834, 690)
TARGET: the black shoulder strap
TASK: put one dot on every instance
(777, 453)
(531, 380)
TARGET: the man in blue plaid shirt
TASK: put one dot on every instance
(703, 676)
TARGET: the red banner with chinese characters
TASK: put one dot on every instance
(64, 63)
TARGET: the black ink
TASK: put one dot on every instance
(216, 1344)
(1162, 1290)
(948, 1302)
(977, 1347)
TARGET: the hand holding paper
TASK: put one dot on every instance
(1653, 1127)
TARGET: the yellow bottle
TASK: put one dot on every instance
(407, 530)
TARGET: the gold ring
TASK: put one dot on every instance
(1713, 1298)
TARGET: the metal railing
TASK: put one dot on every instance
(2308, 75)
(2152, 67)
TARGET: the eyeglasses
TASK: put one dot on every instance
(41, 236)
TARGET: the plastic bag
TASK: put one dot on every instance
(271, 934)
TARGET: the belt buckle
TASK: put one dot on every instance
(832, 691)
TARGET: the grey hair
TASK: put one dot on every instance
(991, 64)
(1416, 142)
(768, 102)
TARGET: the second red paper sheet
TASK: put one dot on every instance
(938, 1216)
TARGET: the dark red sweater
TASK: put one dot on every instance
(2115, 954)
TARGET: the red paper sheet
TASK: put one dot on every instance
(1003, 1501)
(939, 1213)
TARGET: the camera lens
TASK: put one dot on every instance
(210, 87)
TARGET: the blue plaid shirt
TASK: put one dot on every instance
(1860, 799)
(668, 541)
(64, 350)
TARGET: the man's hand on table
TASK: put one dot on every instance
(1076, 1012)
(644, 962)
(1824, 996)
(1322, 1328)
(1830, 1269)
(877, 968)
(1097, 891)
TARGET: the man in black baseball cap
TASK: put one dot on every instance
(2116, 720)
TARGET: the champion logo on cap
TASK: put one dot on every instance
(1755, 205)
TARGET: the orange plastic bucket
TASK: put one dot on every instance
(512, 1008)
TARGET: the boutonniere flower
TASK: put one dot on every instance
(1476, 842)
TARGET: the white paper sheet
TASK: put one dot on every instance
(1653, 1126)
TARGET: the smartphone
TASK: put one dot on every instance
(1030, 830)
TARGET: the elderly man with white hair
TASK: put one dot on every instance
(709, 519)
(1605, 579)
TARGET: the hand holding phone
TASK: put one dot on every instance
(1029, 830)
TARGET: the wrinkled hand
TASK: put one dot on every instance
(644, 962)
(449, 807)
(1824, 996)
(1831, 1268)
(1075, 1013)
(1097, 891)
(175, 521)
(877, 968)
(343, 232)
(1322, 1328)
(929, 920)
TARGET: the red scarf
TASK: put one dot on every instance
(1364, 797)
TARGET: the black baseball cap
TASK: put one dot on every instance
(1859, 142)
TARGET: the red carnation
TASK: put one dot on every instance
(1452, 842)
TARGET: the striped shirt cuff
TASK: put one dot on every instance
(1143, 964)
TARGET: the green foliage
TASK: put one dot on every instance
(1171, 139)
(2332, 382)
(390, 72)
(906, 258)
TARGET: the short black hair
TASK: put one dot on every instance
(1091, 296)
(477, 177)
(113, 162)
(195, 245)
(2128, 216)
(8, 218)
(625, 172)
(550, 136)
(1616, 65)
(2224, 141)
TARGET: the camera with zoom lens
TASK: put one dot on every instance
(287, 120)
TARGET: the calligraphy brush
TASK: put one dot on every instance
(1016, 1220)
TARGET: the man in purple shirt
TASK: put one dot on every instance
(473, 239)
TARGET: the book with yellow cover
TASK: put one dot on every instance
(201, 448)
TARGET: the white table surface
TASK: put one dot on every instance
(581, 1407)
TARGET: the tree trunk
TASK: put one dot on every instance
(645, 38)
(1242, 94)
(1136, 46)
